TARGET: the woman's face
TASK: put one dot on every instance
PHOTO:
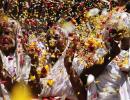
(7, 39)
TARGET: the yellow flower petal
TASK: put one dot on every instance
(38, 72)
(47, 68)
(50, 82)
(32, 78)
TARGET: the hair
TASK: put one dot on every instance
(127, 6)
(122, 2)
(118, 24)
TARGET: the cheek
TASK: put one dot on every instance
(13, 41)
(1, 39)
(12, 37)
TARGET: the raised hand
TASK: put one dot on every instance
(75, 80)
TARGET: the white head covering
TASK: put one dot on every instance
(22, 60)
(121, 21)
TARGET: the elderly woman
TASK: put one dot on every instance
(114, 81)
(61, 85)
(112, 77)
(15, 64)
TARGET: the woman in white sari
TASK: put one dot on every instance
(113, 77)
(15, 65)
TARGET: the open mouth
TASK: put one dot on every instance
(5, 41)
(5, 44)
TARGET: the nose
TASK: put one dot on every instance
(5, 39)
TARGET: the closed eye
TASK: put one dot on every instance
(6, 33)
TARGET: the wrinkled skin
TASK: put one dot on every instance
(7, 46)
(7, 41)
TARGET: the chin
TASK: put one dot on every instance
(8, 48)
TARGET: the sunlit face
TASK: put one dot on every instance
(57, 41)
(7, 39)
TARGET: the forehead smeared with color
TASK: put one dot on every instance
(7, 23)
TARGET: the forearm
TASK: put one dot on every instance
(97, 69)
(78, 87)
(76, 82)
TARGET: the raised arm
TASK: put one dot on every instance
(75, 80)
(97, 69)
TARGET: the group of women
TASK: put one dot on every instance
(67, 78)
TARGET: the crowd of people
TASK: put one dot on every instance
(65, 49)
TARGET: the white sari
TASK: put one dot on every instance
(62, 86)
(113, 84)
(18, 64)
